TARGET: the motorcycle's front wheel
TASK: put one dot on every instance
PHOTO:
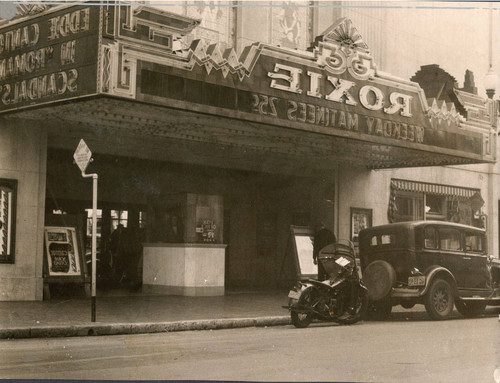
(302, 309)
(358, 311)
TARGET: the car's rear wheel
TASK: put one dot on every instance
(379, 278)
(470, 309)
(439, 299)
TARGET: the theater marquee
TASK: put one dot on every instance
(334, 89)
(49, 58)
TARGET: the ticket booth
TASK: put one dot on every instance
(186, 255)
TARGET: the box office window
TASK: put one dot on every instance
(8, 202)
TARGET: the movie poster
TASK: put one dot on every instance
(63, 257)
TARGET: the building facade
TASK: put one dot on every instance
(213, 137)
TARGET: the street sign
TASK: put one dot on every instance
(82, 155)
(82, 158)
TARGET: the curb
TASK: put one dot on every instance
(140, 328)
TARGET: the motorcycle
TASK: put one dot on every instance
(342, 298)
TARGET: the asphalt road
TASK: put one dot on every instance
(404, 349)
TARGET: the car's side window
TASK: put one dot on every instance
(373, 241)
(474, 242)
(449, 239)
(387, 239)
(430, 238)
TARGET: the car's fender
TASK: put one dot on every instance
(432, 272)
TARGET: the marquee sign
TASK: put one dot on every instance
(335, 89)
(49, 58)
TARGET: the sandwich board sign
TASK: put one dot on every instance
(82, 155)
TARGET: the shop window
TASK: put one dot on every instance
(449, 239)
(118, 217)
(435, 206)
(409, 207)
(8, 196)
(412, 201)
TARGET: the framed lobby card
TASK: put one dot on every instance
(360, 219)
(62, 252)
(8, 198)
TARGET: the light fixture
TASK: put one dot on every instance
(491, 82)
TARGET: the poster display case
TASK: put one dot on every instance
(360, 219)
(62, 252)
(302, 238)
(8, 197)
(64, 257)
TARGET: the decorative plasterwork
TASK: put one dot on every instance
(478, 109)
(342, 48)
(211, 57)
(444, 114)
(339, 49)
(343, 33)
(27, 9)
(163, 21)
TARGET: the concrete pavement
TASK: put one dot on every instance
(120, 312)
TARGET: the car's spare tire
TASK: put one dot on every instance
(379, 277)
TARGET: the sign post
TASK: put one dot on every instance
(82, 157)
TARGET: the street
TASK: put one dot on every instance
(403, 349)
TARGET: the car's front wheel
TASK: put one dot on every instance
(470, 309)
(439, 300)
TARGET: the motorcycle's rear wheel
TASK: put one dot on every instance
(302, 319)
(359, 310)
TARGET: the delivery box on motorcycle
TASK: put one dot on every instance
(336, 256)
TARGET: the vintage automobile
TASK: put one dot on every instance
(438, 264)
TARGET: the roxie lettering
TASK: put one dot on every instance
(289, 79)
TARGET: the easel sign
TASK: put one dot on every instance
(63, 258)
(303, 239)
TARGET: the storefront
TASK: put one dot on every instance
(211, 155)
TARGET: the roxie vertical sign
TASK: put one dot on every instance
(49, 58)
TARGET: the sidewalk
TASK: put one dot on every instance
(119, 312)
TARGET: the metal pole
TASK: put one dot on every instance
(94, 243)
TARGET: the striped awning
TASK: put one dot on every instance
(436, 189)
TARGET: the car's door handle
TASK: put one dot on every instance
(468, 258)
